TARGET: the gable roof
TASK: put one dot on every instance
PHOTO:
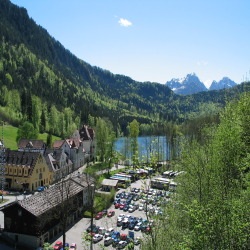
(42, 202)
(22, 159)
(31, 143)
(73, 142)
(84, 133)
(58, 143)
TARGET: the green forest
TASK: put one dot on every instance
(44, 83)
(210, 209)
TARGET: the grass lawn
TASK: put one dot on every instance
(10, 133)
(4, 200)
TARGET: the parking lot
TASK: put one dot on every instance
(75, 233)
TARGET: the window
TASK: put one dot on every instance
(20, 171)
(40, 160)
(25, 171)
(44, 169)
(47, 180)
(11, 170)
(37, 171)
(40, 170)
(15, 171)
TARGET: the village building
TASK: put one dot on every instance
(36, 220)
(58, 163)
(87, 136)
(31, 145)
(26, 170)
(74, 149)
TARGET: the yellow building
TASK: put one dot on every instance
(26, 170)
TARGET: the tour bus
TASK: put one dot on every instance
(172, 186)
(167, 173)
(160, 183)
(122, 181)
(130, 177)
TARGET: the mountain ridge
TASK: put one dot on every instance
(191, 84)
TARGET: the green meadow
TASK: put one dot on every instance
(10, 133)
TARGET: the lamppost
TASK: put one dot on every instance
(2, 149)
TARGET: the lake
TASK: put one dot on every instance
(146, 145)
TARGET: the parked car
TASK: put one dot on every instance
(118, 195)
(111, 213)
(89, 228)
(133, 189)
(141, 207)
(131, 209)
(137, 241)
(137, 190)
(109, 232)
(96, 230)
(138, 226)
(65, 245)
(116, 235)
(119, 222)
(131, 225)
(124, 236)
(104, 212)
(126, 208)
(40, 189)
(124, 224)
(58, 245)
(122, 244)
(121, 216)
(99, 216)
(97, 238)
(122, 206)
(117, 205)
(102, 230)
(108, 241)
(73, 246)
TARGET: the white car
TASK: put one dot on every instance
(109, 232)
(141, 207)
(102, 230)
(97, 237)
(138, 226)
(131, 209)
(127, 216)
(122, 244)
(121, 216)
(108, 241)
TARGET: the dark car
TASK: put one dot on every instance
(104, 211)
(131, 225)
(66, 245)
(89, 228)
(96, 230)
(144, 228)
(124, 224)
(118, 200)
(118, 195)
(122, 196)
(129, 201)
(133, 189)
(125, 209)
(137, 190)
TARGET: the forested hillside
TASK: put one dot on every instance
(57, 91)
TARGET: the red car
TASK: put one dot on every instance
(111, 213)
(124, 236)
(117, 205)
(122, 206)
(99, 215)
(73, 246)
(58, 245)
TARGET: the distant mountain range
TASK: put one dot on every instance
(191, 84)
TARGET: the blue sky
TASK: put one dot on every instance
(154, 40)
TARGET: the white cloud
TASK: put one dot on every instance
(205, 63)
(124, 22)
(198, 63)
(115, 15)
(208, 83)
